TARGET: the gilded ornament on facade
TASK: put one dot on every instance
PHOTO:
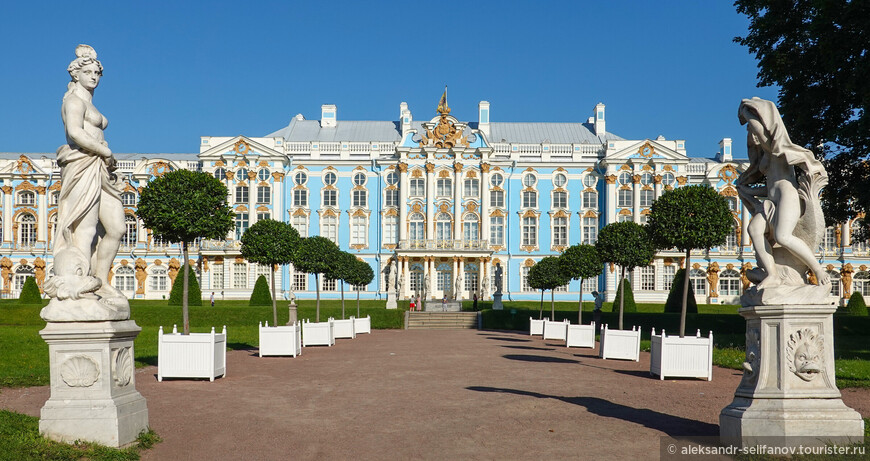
(241, 147)
(24, 167)
(646, 150)
(159, 169)
(610, 179)
(403, 167)
(445, 135)
(484, 167)
(728, 173)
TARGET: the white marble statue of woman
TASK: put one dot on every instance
(90, 215)
(788, 223)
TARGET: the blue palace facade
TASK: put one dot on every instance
(443, 200)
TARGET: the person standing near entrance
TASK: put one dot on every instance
(475, 301)
(444, 303)
(212, 299)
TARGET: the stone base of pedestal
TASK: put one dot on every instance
(788, 396)
(496, 302)
(93, 384)
(391, 301)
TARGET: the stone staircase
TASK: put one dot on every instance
(441, 320)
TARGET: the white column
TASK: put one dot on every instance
(457, 201)
(484, 201)
(635, 199)
(430, 201)
(8, 213)
(461, 289)
(611, 201)
(403, 201)
(277, 196)
(430, 264)
(744, 232)
(845, 235)
(404, 263)
(42, 215)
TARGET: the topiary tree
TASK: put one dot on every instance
(361, 275)
(30, 292)
(271, 243)
(547, 275)
(579, 262)
(194, 295)
(627, 245)
(674, 303)
(626, 292)
(341, 271)
(687, 218)
(261, 295)
(317, 255)
(184, 205)
(856, 305)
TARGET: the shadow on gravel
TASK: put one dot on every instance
(538, 358)
(638, 373)
(530, 348)
(513, 340)
(671, 425)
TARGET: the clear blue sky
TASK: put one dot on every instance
(178, 70)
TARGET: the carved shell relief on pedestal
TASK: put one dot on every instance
(805, 354)
(80, 371)
(122, 366)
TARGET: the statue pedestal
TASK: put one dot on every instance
(391, 301)
(788, 395)
(292, 313)
(93, 383)
(496, 302)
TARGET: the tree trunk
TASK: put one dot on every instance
(357, 302)
(580, 311)
(685, 295)
(274, 301)
(541, 313)
(342, 299)
(621, 295)
(552, 304)
(317, 285)
(184, 314)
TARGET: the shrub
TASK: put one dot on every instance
(856, 305)
(30, 292)
(194, 295)
(629, 306)
(675, 297)
(261, 295)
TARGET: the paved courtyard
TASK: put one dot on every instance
(425, 394)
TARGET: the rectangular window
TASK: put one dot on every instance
(496, 230)
(217, 276)
(391, 230)
(472, 188)
(330, 198)
(560, 231)
(496, 198)
(300, 281)
(648, 278)
(530, 231)
(300, 197)
(329, 284)
(444, 187)
(668, 273)
(530, 199)
(242, 194)
(300, 223)
(329, 228)
(624, 197)
(698, 279)
(524, 280)
(264, 194)
(358, 230)
(590, 230)
(360, 198)
(590, 284)
(560, 200)
(391, 197)
(590, 200)
(240, 275)
(241, 221)
(263, 215)
(417, 187)
(444, 280)
(646, 197)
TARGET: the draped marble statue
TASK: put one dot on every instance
(90, 215)
(781, 189)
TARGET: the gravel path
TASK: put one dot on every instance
(425, 394)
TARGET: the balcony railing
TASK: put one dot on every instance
(439, 244)
(220, 245)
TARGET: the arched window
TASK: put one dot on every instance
(624, 179)
(128, 199)
(835, 283)
(124, 278)
(27, 230)
(241, 174)
(158, 281)
(470, 227)
(416, 227)
(26, 198)
(443, 227)
(732, 239)
(220, 174)
(444, 277)
(263, 174)
(830, 241)
(698, 279)
(416, 274)
(861, 283)
(132, 235)
(21, 273)
(471, 278)
(668, 179)
(729, 283)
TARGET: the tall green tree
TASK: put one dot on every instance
(341, 271)
(182, 206)
(361, 275)
(817, 53)
(580, 261)
(317, 255)
(687, 218)
(272, 243)
(627, 245)
(547, 275)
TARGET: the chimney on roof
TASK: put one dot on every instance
(405, 118)
(599, 119)
(483, 117)
(327, 116)
(724, 150)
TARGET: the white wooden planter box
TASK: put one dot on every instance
(318, 333)
(536, 327)
(343, 328)
(689, 357)
(197, 355)
(280, 340)
(556, 330)
(620, 344)
(581, 336)
(363, 325)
